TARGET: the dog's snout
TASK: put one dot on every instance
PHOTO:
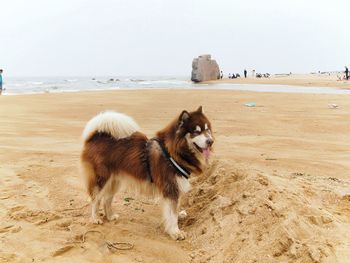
(209, 142)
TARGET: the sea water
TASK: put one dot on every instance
(33, 85)
(30, 85)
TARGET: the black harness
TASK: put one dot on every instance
(180, 170)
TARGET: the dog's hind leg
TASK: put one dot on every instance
(99, 191)
(93, 190)
(95, 205)
(170, 213)
(111, 187)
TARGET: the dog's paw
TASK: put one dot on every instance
(97, 221)
(113, 217)
(182, 214)
(178, 235)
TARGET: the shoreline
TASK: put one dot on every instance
(276, 83)
(224, 84)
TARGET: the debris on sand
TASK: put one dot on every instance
(62, 250)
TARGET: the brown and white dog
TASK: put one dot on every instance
(116, 155)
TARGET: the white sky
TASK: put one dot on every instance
(161, 37)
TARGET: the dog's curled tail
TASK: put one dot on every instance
(116, 124)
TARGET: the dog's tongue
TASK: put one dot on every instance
(206, 153)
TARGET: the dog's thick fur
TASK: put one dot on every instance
(115, 154)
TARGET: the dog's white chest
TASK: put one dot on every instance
(183, 184)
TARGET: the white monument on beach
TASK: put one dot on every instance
(204, 68)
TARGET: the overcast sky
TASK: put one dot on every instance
(161, 37)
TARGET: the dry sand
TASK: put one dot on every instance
(318, 80)
(278, 189)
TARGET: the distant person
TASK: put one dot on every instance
(229, 75)
(346, 73)
(245, 73)
(222, 75)
(233, 75)
(1, 81)
(253, 73)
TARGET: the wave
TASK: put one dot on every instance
(69, 84)
(137, 80)
(36, 82)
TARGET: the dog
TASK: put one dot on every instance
(117, 155)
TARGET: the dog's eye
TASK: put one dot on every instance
(196, 132)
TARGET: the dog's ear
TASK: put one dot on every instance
(200, 109)
(183, 117)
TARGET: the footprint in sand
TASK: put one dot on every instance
(38, 217)
(5, 229)
(10, 228)
(64, 225)
(7, 257)
(16, 208)
(319, 220)
(62, 250)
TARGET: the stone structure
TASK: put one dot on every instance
(204, 68)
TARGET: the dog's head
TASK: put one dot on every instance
(196, 129)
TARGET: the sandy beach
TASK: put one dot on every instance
(277, 189)
(306, 80)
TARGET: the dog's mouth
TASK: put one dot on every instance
(204, 151)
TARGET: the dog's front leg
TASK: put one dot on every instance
(170, 214)
(182, 214)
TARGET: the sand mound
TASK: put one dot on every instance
(240, 217)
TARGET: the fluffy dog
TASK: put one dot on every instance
(116, 155)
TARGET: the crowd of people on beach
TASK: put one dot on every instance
(267, 75)
(233, 76)
(245, 74)
(344, 77)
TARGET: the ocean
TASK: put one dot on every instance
(34, 85)
(31, 85)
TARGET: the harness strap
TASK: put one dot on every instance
(181, 170)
